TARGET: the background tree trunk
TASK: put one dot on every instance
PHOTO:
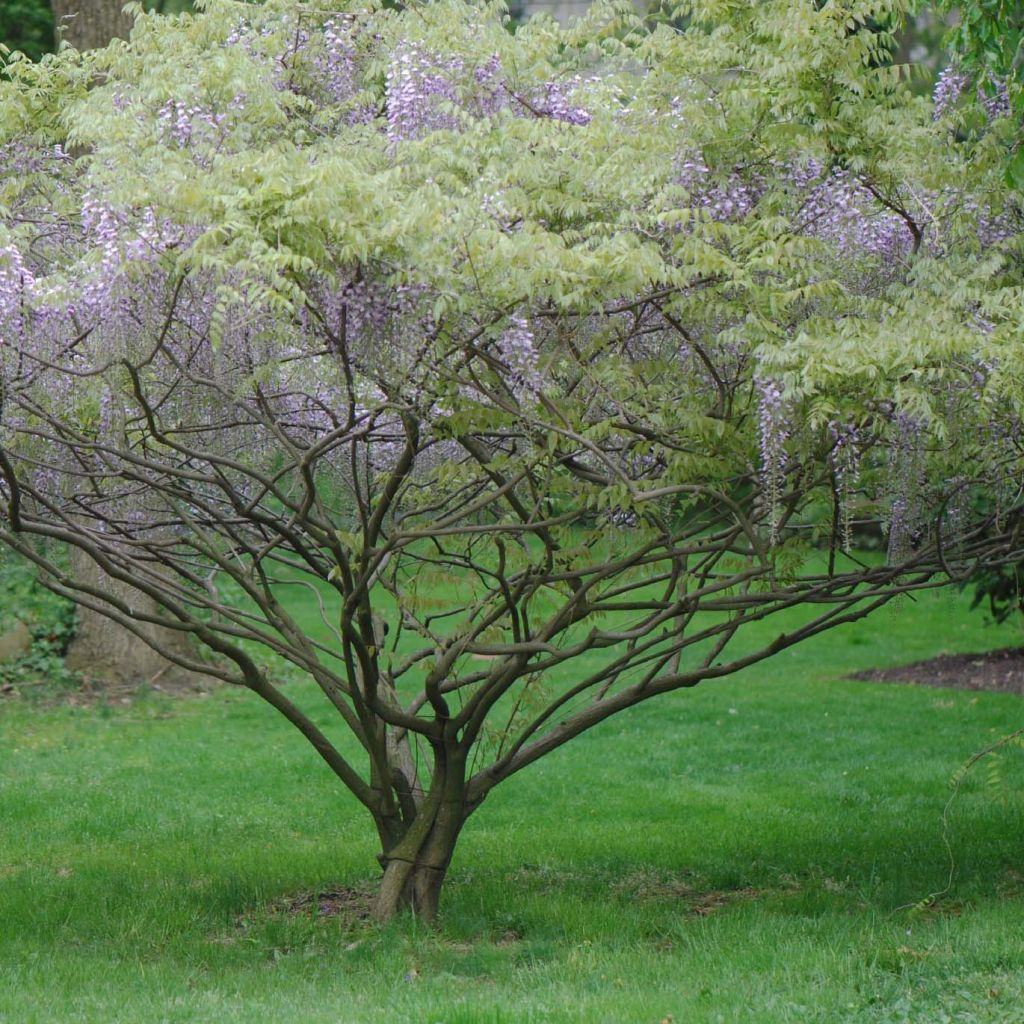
(89, 24)
(104, 651)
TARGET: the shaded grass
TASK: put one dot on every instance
(738, 852)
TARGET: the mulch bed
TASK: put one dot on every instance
(994, 672)
(342, 901)
(90, 692)
(176, 684)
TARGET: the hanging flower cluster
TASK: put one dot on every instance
(772, 417)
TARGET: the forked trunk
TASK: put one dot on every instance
(416, 865)
(412, 887)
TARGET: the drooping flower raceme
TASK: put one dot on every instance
(772, 423)
(421, 91)
(846, 466)
(516, 349)
(949, 87)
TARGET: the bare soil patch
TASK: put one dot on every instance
(89, 692)
(992, 672)
(344, 901)
(685, 890)
(172, 684)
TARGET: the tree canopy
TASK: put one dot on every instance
(544, 361)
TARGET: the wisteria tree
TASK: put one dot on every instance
(544, 363)
(987, 41)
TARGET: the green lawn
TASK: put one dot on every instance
(739, 852)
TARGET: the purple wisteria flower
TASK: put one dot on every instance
(517, 350)
(15, 280)
(846, 467)
(949, 87)
(994, 98)
(420, 90)
(906, 474)
(726, 199)
(490, 81)
(336, 65)
(773, 434)
(553, 100)
(842, 210)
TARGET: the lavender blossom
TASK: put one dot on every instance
(517, 351)
(491, 94)
(184, 124)
(994, 98)
(773, 437)
(842, 210)
(419, 87)
(906, 474)
(118, 241)
(949, 87)
(15, 280)
(846, 467)
(337, 63)
(101, 228)
(552, 100)
(726, 200)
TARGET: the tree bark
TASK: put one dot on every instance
(106, 652)
(89, 24)
(416, 888)
(101, 649)
(416, 865)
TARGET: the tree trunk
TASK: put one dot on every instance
(90, 24)
(101, 649)
(416, 865)
(416, 888)
(106, 652)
